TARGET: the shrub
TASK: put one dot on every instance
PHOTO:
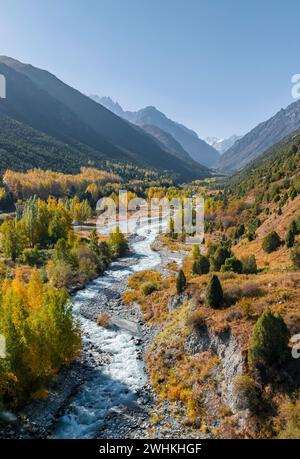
(214, 293)
(269, 341)
(196, 252)
(232, 264)
(196, 319)
(247, 393)
(87, 270)
(249, 264)
(271, 242)
(290, 414)
(118, 243)
(180, 282)
(200, 265)
(31, 257)
(240, 230)
(103, 320)
(150, 287)
(233, 293)
(59, 273)
(295, 256)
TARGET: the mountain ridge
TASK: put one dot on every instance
(40, 100)
(261, 137)
(197, 148)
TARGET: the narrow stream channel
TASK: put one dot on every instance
(113, 386)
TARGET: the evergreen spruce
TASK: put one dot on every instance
(214, 293)
(180, 282)
(270, 340)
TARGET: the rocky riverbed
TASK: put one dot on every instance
(105, 393)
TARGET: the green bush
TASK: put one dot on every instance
(31, 257)
(271, 242)
(295, 256)
(240, 230)
(269, 341)
(214, 293)
(249, 264)
(118, 243)
(196, 252)
(150, 287)
(232, 264)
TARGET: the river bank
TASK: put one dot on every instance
(105, 393)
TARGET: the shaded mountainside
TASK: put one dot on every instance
(22, 147)
(40, 100)
(280, 162)
(261, 137)
(167, 142)
(199, 150)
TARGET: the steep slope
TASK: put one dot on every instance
(22, 147)
(40, 100)
(199, 150)
(261, 137)
(167, 142)
(270, 188)
(280, 162)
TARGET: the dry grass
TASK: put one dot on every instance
(103, 320)
(153, 304)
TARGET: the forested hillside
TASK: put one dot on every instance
(38, 99)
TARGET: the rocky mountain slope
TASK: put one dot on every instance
(262, 137)
(197, 148)
(221, 145)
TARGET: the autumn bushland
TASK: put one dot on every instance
(41, 336)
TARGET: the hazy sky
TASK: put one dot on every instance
(218, 66)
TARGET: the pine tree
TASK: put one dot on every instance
(219, 257)
(290, 238)
(269, 341)
(200, 265)
(180, 282)
(214, 293)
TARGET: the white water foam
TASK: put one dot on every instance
(114, 385)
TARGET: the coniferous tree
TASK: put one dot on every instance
(290, 238)
(180, 282)
(214, 293)
(269, 341)
(200, 265)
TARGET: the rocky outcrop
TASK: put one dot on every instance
(226, 347)
(175, 301)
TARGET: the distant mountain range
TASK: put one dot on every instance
(259, 139)
(221, 145)
(76, 129)
(188, 139)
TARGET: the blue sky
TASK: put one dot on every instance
(218, 66)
